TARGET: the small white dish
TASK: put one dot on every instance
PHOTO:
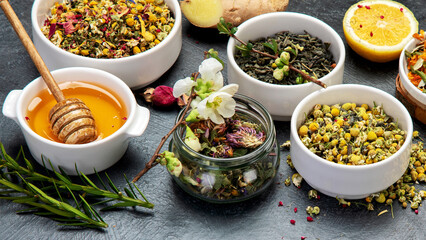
(346, 181)
(99, 154)
(136, 71)
(281, 100)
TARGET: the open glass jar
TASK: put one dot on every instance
(225, 180)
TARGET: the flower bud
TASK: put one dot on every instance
(285, 57)
(191, 140)
(279, 63)
(278, 74)
(161, 96)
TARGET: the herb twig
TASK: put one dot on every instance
(46, 193)
(152, 162)
(227, 29)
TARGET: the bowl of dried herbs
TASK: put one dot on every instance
(236, 160)
(136, 40)
(280, 58)
(350, 141)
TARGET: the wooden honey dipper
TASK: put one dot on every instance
(70, 119)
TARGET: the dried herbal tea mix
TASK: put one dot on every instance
(234, 138)
(351, 134)
(108, 28)
(416, 62)
(307, 53)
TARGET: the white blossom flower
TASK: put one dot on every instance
(183, 86)
(210, 70)
(219, 104)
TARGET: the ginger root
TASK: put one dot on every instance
(206, 13)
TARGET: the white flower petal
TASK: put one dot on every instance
(217, 81)
(202, 108)
(227, 107)
(216, 118)
(209, 68)
(195, 102)
(230, 89)
(183, 86)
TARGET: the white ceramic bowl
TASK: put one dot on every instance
(345, 181)
(403, 71)
(97, 155)
(280, 100)
(136, 71)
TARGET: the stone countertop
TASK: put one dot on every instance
(177, 215)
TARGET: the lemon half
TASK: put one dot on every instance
(378, 30)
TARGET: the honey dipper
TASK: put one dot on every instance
(70, 119)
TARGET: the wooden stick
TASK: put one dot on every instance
(32, 51)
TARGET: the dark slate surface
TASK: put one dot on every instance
(177, 215)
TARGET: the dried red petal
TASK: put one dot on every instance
(27, 118)
(295, 209)
(302, 237)
(368, 7)
(163, 96)
(124, 118)
(280, 203)
(52, 30)
(382, 17)
(360, 25)
(371, 34)
(292, 221)
(359, 6)
(309, 218)
(401, 9)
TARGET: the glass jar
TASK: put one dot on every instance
(225, 180)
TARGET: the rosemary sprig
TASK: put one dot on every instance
(45, 194)
(227, 29)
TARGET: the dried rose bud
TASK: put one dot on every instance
(161, 96)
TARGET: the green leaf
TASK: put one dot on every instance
(88, 180)
(234, 30)
(238, 152)
(100, 179)
(111, 184)
(129, 193)
(273, 46)
(130, 186)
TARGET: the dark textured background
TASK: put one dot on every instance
(177, 215)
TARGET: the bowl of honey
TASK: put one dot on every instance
(117, 116)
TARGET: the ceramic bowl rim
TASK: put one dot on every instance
(170, 37)
(393, 157)
(247, 24)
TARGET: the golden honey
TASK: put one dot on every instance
(107, 108)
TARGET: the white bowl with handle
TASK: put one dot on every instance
(99, 154)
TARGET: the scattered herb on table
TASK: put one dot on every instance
(56, 196)
(106, 28)
(350, 134)
(416, 62)
(306, 52)
(405, 191)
